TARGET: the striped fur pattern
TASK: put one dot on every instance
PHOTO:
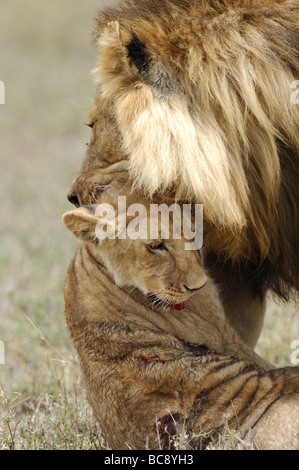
(145, 384)
(151, 371)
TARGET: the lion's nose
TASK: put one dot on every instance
(73, 198)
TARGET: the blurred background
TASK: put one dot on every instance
(45, 63)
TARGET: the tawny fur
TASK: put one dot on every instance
(142, 368)
(204, 109)
(211, 103)
(105, 162)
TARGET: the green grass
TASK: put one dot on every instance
(46, 56)
(45, 63)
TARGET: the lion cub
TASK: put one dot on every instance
(156, 350)
(169, 281)
(162, 270)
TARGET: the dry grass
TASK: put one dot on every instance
(45, 65)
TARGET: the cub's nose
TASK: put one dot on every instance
(73, 198)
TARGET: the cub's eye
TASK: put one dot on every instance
(157, 246)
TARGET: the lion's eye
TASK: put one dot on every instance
(90, 124)
(157, 246)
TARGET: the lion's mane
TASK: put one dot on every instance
(202, 92)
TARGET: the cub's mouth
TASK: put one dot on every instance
(166, 303)
(182, 305)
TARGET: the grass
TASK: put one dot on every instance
(45, 66)
(45, 63)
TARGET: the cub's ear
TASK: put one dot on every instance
(92, 224)
(82, 223)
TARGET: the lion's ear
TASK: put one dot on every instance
(124, 59)
(138, 54)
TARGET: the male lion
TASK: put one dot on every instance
(194, 97)
(155, 363)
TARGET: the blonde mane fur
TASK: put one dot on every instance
(205, 109)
